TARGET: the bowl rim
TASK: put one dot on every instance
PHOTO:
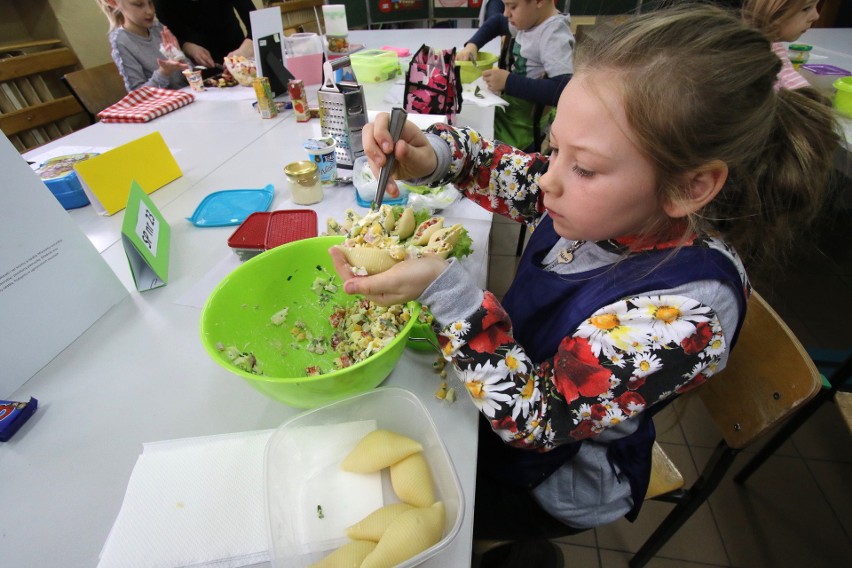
(214, 353)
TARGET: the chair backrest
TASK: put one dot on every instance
(96, 88)
(768, 376)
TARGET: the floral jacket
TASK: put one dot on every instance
(619, 361)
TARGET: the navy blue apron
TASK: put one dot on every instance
(545, 307)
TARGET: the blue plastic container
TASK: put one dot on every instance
(60, 178)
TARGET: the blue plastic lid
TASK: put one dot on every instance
(231, 206)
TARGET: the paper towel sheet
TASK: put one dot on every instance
(305, 477)
(193, 502)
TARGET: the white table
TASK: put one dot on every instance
(140, 374)
(833, 46)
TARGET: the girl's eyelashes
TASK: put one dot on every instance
(581, 172)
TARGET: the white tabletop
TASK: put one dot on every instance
(140, 374)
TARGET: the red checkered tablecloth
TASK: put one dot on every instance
(144, 104)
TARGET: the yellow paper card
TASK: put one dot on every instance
(107, 178)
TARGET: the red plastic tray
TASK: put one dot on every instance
(251, 234)
(290, 225)
(265, 230)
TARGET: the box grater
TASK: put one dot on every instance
(343, 111)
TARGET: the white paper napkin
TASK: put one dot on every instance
(485, 99)
(193, 502)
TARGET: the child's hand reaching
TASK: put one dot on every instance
(403, 282)
(495, 79)
(415, 156)
(169, 66)
(246, 50)
(199, 54)
(468, 53)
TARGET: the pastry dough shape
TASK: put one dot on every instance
(378, 450)
(411, 479)
(373, 526)
(372, 260)
(386, 218)
(409, 534)
(405, 225)
(447, 235)
(426, 229)
(350, 555)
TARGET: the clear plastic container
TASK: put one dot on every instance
(303, 481)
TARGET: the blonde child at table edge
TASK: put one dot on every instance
(783, 21)
(137, 41)
(631, 291)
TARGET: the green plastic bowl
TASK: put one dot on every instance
(471, 72)
(843, 96)
(239, 312)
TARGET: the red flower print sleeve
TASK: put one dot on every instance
(498, 177)
(622, 359)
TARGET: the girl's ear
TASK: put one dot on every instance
(702, 186)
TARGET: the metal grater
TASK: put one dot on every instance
(343, 112)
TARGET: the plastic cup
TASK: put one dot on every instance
(304, 57)
(322, 152)
(843, 97)
(194, 79)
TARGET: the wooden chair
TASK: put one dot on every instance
(833, 390)
(769, 377)
(34, 106)
(96, 88)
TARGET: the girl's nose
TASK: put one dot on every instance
(547, 183)
(814, 15)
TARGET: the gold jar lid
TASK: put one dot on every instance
(303, 172)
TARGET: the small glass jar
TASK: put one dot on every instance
(799, 53)
(304, 182)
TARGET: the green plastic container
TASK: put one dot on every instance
(470, 72)
(843, 97)
(239, 311)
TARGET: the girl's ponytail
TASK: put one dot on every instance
(113, 14)
(790, 176)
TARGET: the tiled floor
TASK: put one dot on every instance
(797, 509)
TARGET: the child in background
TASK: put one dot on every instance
(783, 21)
(138, 44)
(209, 31)
(631, 290)
(539, 65)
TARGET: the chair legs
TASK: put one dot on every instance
(837, 378)
(522, 235)
(712, 475)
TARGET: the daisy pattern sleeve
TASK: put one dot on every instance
(497, 176)
(624, 358)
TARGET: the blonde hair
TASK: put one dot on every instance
(698, 87)
(113, 14)
(769, 16)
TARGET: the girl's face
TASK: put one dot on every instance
(139, 15)
(523, 14)
(598, 185)
(799, 22)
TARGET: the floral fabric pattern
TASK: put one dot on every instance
(621, 360)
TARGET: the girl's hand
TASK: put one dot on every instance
(468, 52)
(414, 155)
(246, 50)
(169, 38)
(405, 281)
(169, 66)
(199, 54)
(495, 79)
